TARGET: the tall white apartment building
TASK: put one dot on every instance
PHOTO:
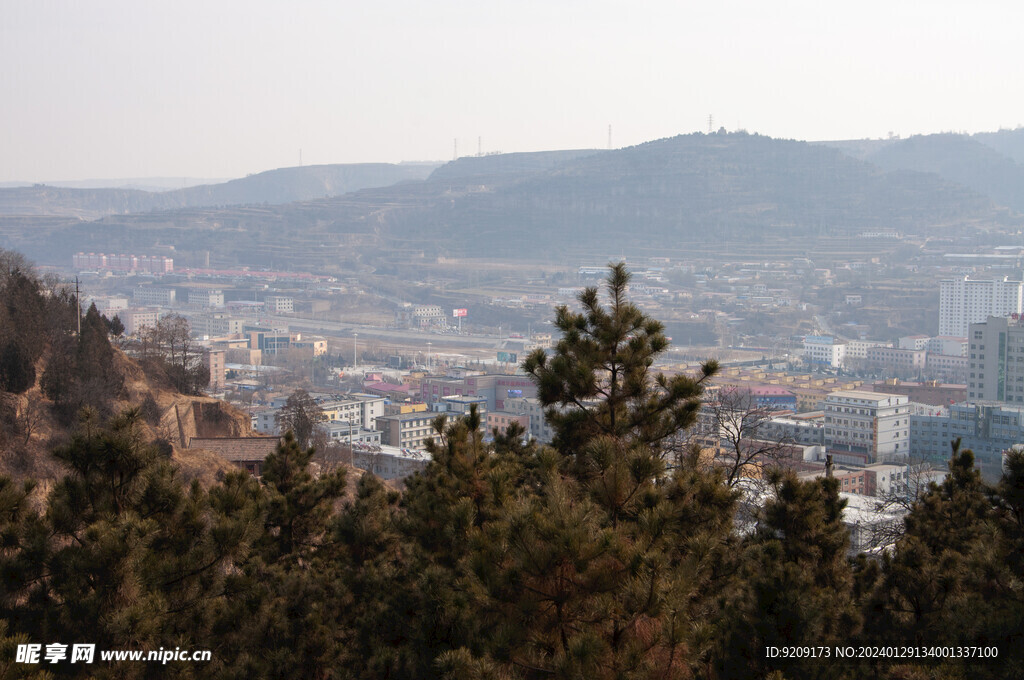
(963, 302)
(868, 427)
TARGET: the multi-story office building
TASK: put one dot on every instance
(963, 302)
(995, 356)
(135, 320)
(867, 427)
(214, 359)
(988, 429)
(153, 295)
(363, 409)
(279, 304)
(406, 430)
(351, 433)
(805, 429)
(903, 361)
(824, 350)
(205, 297)
(539, 428)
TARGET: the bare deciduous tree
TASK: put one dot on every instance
(736, 423)
(893, 504)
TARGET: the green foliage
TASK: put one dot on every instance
(599, 381)
(298, 505)
(80, 370)
(955, 578)
(505, 560)
(797, 583)
(29, 318)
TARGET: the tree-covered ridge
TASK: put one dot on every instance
(604, 557)
(55, 361)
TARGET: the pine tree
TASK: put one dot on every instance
(124, 557)
(796, 586)
(953, 578)
(586, 566)
(299, 503)
(599, 380)
(284, 614)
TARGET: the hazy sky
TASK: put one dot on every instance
(105, 88)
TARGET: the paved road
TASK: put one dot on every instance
(337, 329)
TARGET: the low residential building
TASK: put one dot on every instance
(914, 342)
(388, 462)
(357, 407)
(858, 349)
(247, 453)
(460, 406)
(205, 297)
(501, 420)
(948, 345)
(406, 430)
(539, 428)
(930, 392)
(946, 366)
(404, 407)
(264, 420)
(387, 390)
(806, 429)
(350, 433)
(315, 347)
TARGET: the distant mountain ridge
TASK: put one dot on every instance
(961, 159)
(141, 183)
(665, 197)
(695, 188)
(284, 185)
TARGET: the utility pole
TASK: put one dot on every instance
(78, 307)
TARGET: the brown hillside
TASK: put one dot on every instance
(169, 418)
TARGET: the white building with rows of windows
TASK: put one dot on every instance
(867, 427)
(964, 301)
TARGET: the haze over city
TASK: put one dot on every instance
(511, 340)
(194, 89)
